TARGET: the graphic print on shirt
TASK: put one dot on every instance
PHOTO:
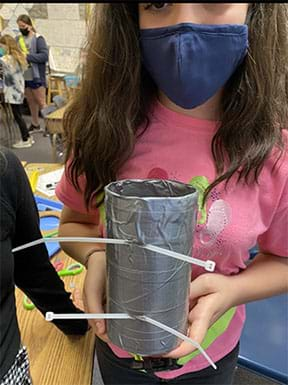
(207, 240)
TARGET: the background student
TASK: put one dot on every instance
(30, 270)
(35, 48)
(14, 64)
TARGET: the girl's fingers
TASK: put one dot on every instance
(197, 332)
(201, 286)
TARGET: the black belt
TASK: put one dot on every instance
(155, 364)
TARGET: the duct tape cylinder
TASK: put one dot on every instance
(162, 213)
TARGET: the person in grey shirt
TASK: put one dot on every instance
(35, 48)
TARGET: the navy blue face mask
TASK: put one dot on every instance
(191, 62)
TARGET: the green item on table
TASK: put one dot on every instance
(27, 304)
(73, 269)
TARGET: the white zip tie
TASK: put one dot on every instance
(178, 334)
(208, 265)
(50, 316)
(70, 239)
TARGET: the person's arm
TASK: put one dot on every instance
(74, 223)
(42, 52)
(33, 272)
(213, 294)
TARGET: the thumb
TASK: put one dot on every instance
(201, 286)
(198, 329)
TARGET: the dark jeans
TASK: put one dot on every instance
(116, 371)
(16, 109)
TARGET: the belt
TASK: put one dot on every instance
(154, 364)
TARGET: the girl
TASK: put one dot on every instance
(36, 51)
(195, 93)
(30, 270)
(14, 65)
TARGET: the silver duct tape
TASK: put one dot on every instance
(142, 282)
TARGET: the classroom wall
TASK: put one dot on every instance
(63, 25)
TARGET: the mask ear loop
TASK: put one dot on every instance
(50, 316)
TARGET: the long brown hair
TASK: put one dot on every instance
(116, 94)
(13, 50)
(27, 20)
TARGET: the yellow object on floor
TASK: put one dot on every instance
(33, 178)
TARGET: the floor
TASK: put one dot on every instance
(41, 152)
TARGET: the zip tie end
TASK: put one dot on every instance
(210, 265)
(213, 366)
(49, 316)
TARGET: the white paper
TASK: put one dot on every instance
(64, 59)
(50, 178)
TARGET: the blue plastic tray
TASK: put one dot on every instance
(49, 223)
(47, 204)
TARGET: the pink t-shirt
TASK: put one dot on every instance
(178, 147)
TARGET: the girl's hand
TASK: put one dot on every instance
(94, 292)
(211, 296)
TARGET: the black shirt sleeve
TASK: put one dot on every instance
(33, 272)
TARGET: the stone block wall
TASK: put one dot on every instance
(63, 25)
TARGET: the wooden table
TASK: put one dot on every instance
(55, 359)
(54, 126)
(54, 121)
